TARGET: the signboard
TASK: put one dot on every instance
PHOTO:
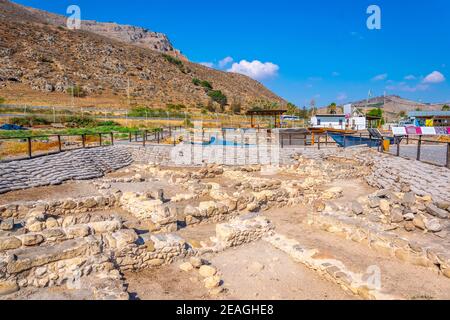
(428, 131)
(399, 131)
(425, 131)
(413, 130)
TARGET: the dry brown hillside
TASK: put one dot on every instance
(40, 61)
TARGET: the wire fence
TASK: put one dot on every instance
(18, 148)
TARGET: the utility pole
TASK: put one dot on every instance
(128, 91)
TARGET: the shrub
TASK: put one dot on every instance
(207, 85)
(219, 97)
(2, 100)
(108, 123)
(203, 83)
(444, 108)
(76, 91)
(173, 60)
(78, 122)
(29, 121)
(236, 107)
(144, 112)
(176, 107)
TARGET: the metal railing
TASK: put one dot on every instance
(82, 141)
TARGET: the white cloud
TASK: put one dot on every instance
(434, 77)
(255, 69)
(410, 77)
(225, 62)
(380, 77)
(207, 64)
(342, 96)
(402, 86)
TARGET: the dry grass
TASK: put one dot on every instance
(13, 149)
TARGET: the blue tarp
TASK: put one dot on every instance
(351, 141)
(218, 142)
(11, 127)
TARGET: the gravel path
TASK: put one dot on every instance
(436, 154)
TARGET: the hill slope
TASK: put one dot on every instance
(393, 105)
(40, 59)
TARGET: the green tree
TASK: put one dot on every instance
(444, 108)
(377, 113)
(263, 104)
(292, 109)
(218, 97)
(2, 100)
(236, 106)
(332, 108)
(402, 114)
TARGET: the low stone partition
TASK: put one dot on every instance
(331, 269)
(75, 247)
(81, 164)
(133, 252)
(160, 217)
(428, 254)
(60, 207)
(242, 230)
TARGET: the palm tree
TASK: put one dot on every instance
(332, 108)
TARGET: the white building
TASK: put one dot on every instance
(351, 119)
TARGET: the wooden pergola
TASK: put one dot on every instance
(266, 113)
(373, 121)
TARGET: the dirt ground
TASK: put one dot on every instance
(70, 189)
(280, 278)
(399, 278)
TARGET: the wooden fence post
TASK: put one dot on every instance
(398, 146)
(448, 155)
(112, 138)
(100, 139)
(129, 136)
(59, 143)
(30, 152)
(143, 138)
(83, 140)
(419, 145)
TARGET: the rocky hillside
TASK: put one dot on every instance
(113, 65)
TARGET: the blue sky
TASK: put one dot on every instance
(307, 50)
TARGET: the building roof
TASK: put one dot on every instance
(330, 115)
(265, 112)
(418, 114)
